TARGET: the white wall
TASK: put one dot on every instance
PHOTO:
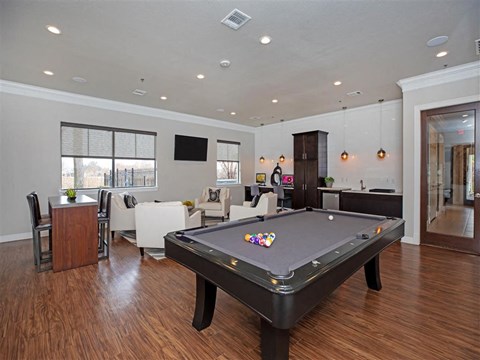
(452, 86)
(362, 141)
(30, 150)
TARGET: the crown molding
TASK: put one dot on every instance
(15, 88)
(455, 73)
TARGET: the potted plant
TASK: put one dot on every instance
(329, 181)
(71, 194)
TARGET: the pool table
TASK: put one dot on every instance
(313, 253)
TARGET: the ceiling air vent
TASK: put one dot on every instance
(139, 92)
(477, 46)
(235, 19)
(354, 93)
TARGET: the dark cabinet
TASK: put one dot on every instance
(372, 203)
(309, 162)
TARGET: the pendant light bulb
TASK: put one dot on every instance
(262, 159)
(344, 155)
(381, 153)
(281, 158)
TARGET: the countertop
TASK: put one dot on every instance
(373, 193)
(333, 188)
(62, 201)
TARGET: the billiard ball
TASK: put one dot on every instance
(247, 237)
(330, 217)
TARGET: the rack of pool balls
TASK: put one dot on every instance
(262, 239)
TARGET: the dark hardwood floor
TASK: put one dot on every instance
(133, 308)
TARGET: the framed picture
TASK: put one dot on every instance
(261, 178)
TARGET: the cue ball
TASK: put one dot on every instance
(330, 217)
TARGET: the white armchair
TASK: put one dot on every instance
(121, 217)
(267, 205)
(220, 208)
(154, 220)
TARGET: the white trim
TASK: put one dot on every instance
(439, 77)
(15, 237)
(15, 88)
(333, 113)
(409, 240)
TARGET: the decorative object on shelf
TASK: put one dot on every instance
(71, 194)
(281, 158)
(381, 153)
(276, 177)
(344, 155)
(329, 181)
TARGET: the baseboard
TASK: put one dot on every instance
(409, 240)
(15, 237)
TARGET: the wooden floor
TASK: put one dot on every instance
(133, 308)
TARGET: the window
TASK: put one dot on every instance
(94, 156)
(228, 162)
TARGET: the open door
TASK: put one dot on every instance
(450, 178)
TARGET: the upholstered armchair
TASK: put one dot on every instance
(267, 205)
(154, 220)
(121, 217)
(215, 202)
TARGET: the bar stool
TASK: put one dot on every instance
(104, 225)
(100, 199)
(254, 190)
(39, 224)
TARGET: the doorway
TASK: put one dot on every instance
(450, 178)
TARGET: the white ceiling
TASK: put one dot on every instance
(368, 45)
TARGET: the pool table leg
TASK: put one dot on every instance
(274, 342)
(204, 304)
(372, 273)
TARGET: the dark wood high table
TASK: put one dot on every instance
(74, 232)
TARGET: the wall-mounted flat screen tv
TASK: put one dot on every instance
(190, 148)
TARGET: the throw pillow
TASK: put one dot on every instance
(130, 201)
(214, 195)
(254, 201)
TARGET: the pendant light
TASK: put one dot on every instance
(344, 155)
(282, 157)
(262, 159)
(381, 153)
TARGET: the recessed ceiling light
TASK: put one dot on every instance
(233, 113)
(469, 125)
(465, 115)
(79, 79)
(265, 40)
(48, 72)
(200, 76)
(53, 29)
(436, 41)
(336, 83)
(441, 54)
(163, 97)
(275, 101)
(464, 121)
